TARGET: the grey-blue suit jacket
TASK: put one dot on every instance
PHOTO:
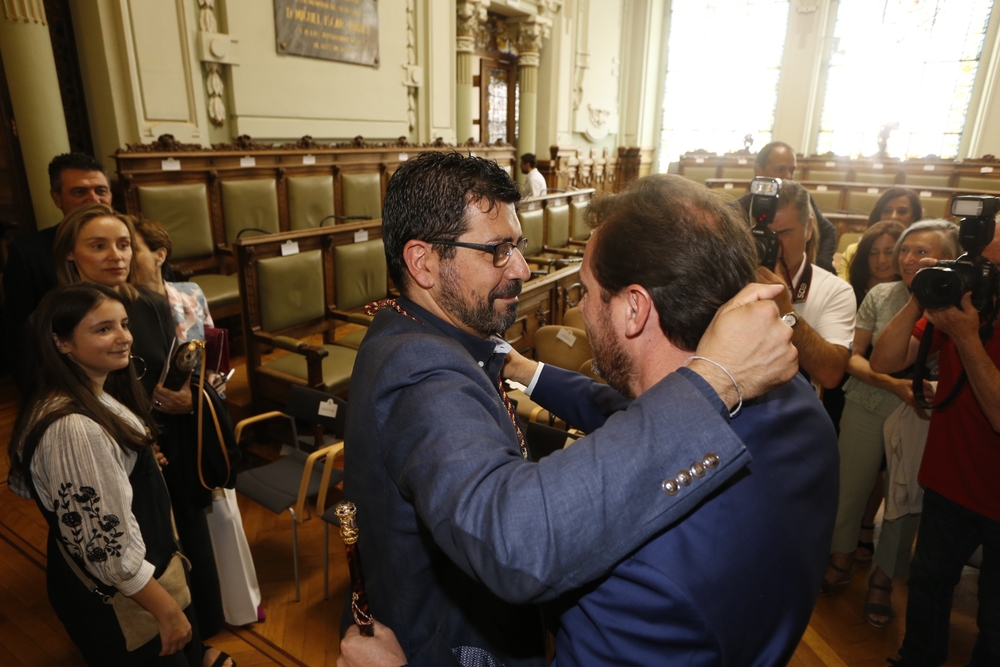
(460, 536)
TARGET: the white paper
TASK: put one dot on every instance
(566, 336)
(741, 161)
(699, 160)
(248, 161)
(727, 186)
(928, 167)
(986, 170)
(472, 154)
(328, 409)
(872, 191)
(308, 159)
(830, 164)
(170, 164)
(926, 193)
(289, 248)
(403, 157)
(514, 3)
(878, 165)
(361, 236)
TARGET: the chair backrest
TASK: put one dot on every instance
(579, 230)
(877, 177)
(360, 273)
(291, 290)
(565, 347)
(587, 368)
(930, 180)
(699, 174)
(935, 207)
(310, 200)
(827, 200)
(862, 203)
(533, 229)
(317, 407)
(983, 183)
(826, 176)
(183, 212)
(738, 173)
(557, 226)
(362, 194)
(573, 318)
(847, 239)
(249, 204)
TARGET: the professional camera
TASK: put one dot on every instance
(763, 205)
(943, 285)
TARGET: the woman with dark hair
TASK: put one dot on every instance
(877, 246)
(81, 448)
(96, 244)
(870, 398)
(897, 204)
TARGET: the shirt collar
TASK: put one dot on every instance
(802, 268)
(482, 350)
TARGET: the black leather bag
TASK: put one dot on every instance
(218, 451)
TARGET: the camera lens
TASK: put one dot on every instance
(939, 287)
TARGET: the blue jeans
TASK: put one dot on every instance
(949, 533)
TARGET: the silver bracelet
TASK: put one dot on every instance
(739, 393)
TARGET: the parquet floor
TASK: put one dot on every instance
(306, 633)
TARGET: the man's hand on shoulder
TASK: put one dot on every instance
(750, 341)
(783, 298)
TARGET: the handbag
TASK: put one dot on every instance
(139, 626)
(218, 451)
(181, 361)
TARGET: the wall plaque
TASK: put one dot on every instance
(344, 30)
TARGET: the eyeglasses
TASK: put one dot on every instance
(501, 251)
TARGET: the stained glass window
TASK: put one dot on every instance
(496, 86)
(722, 75)
(906, 65)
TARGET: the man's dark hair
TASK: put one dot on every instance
(764, 154)
(530, 159)
(680, 242)
(888, 196)
(61, 163)
(427, 199)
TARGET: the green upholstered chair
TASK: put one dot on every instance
(557, 227)
(930, 180)
(699, 174)
(533, 229)
(249, 204)
(827, 200)
(183, 212)
(362, 194)
(310, 200)
(862, 203)
(361, 276)
(981, 183)
(292, 303)
(579, 230)
(825, 176)
(935, 207)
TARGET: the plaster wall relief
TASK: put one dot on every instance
(597, 69)
(413, 74)
(471, 15)
(215, 50)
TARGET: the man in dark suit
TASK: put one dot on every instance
(777, 160)
(75, 179)
(461, 534)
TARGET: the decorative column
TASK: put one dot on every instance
(471, 14)
(533, 31)
(34, 94)
(215, 50)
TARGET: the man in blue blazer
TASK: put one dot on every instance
(461, 534)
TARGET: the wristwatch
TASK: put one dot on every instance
(791, 318)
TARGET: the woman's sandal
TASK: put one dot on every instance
(876, 609)
(221, 660)
(827, 587)
(865, 550)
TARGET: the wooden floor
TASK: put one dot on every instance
(306, 633)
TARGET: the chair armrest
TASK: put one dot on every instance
(352, 317)
(567, 252)
(300, 503)
(324, 484)
(253, 420)
(292, 345)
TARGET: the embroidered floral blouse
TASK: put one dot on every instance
(81, 473)
(190, 309)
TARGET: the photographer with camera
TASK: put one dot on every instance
(820, 307)
(961, 507)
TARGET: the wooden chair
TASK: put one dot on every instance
(361, 276)
(287, 484)
(562, 346)
(288, 297)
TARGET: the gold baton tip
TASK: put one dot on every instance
(347, 513)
